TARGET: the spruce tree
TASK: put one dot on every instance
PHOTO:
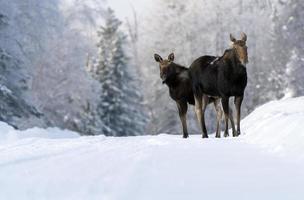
(120, 106)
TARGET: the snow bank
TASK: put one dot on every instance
(278, 126)
(8, 133)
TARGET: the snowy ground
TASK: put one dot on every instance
(265, 163)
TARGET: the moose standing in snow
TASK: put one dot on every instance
(225, 77)
(177, 78)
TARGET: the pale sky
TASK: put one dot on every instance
(123, 8)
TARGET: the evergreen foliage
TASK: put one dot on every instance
(120, 102)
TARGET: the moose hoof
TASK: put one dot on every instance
(218, 136)
(185, 136)
(226, 135)
(205, 136)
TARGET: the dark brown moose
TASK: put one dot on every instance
(224, 77)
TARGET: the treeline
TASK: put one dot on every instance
(75, 65)
(194, 28)
(65, 64)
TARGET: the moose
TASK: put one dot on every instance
(223, 78)
(178, 79)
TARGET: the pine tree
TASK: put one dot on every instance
(119, 107)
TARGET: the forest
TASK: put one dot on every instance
(79, 65)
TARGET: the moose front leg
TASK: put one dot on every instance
(238, 102)
(182, 111)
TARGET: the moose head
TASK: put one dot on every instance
(240, 47)
(165, 67)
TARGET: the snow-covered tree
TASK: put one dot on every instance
(120, 106)
(291, 27)
(60, 86)
(14, 109)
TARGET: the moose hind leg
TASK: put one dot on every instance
(238, 102)
(232, 122)
(205, 102)
(199, 114)
(219, 113)
(225, 104)
(182, 111)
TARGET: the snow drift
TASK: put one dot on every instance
(278, 126)
(9, 134)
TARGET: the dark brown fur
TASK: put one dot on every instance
(222, 78)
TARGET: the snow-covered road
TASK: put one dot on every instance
(266, 162)
(145, 167)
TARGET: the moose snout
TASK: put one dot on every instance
(163, 77)
(244, 61)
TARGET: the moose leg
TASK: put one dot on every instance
(219, 113)
(225, 104)
(199, 115)
(238, 102)
(232, 122)
(204, 105)
(182, 111)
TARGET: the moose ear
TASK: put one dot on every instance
(171, 57)
(157, 58)
(232, 38)
(243, 37)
